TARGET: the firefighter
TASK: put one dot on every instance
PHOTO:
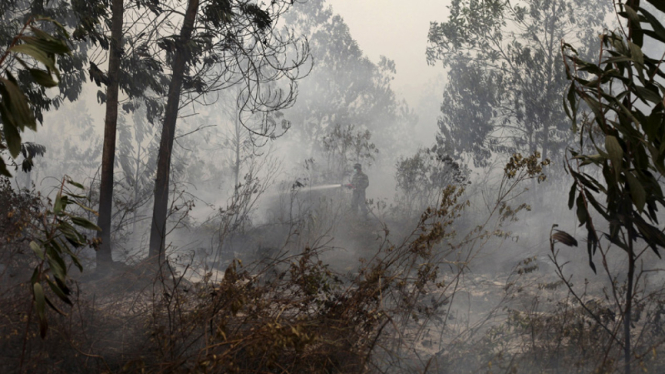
(359, 183)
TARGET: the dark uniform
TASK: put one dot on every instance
(359, 181)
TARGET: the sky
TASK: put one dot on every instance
(398, 30)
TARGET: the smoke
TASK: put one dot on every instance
(233, 200)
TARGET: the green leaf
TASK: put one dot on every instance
(75, 184)
(85, 223)
(652, 235)
(647, 94)
(635, 24)
(582, 214)
(57, 24)
(13, 139)
(56, 263)
(600, 209)
(42, 78)
(57, 206)
(68, 194)
(565, 238)
(658, 32)
(585, 182)
(637, 193)
(58, 292)
(16, 103)
(572, 103)
(36, 53)
(592, 242)
(615, 152)
(571, 195)
(52, 306)
(46, 42)
(63, 286)
(40, 307)
(38, 251)
(72, 235)
(35, 275)
(597, 159)
(76, 261)
(85, 208)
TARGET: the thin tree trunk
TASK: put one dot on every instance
(237, 161)
(631, 253)
(548, 82)
(111, 121)
(628, 311)
(136, 187)
(627, 315)
(159, 213)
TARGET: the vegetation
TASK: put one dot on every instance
(227, 260)
(29, 49)
(506, 77)
(623, 132)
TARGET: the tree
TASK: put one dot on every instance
(621, 138)
(421, 178)
(221, 44)
(505, 77)
(240, 139)
(137, 159)
(110, 125)
(344, 146)
(55, 235)
(133, 69)
(344, 86)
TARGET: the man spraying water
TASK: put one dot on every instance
(359, 183)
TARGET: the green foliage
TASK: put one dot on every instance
(29, 50)
(71, 14)
(43, 241)
(622, 137)
(58, 239)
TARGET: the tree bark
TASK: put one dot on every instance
(628, 313)
(136, 187)
(160, 208)
(110, 124)
(236, 169)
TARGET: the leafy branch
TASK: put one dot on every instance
(623, 136)
(41, 48)
(59, 238)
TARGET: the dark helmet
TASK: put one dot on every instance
(357, 167)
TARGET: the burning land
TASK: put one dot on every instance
(258, 187)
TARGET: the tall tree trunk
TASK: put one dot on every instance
(236, 169)
(108, 155)
(547, 122)
(136, 187)
(628, 313)
(159, 212)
